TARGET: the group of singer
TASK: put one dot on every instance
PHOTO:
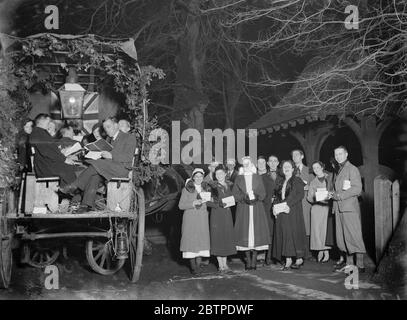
(280, 209)
(79, 180)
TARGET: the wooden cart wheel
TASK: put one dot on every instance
(40, 256)
(6, 238)
(100, 256)
(136, 238)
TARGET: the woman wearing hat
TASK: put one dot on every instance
(251, 227)
(195, 241)
(221, 222)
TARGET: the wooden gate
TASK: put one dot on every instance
(387, 212)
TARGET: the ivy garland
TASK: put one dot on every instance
(112, 59)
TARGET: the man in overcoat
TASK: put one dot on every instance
(347, 188)
(48, 159)
(269, 181)
(232, 172)
(303, 172)
(114, 164)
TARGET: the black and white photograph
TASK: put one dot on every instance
(215, 152)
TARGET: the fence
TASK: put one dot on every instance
(386, 212)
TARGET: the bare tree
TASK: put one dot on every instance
(364, 66)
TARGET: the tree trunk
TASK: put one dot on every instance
(190, 101)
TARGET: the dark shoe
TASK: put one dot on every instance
(83, 209)
(68, 189)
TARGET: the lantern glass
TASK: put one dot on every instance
(72, 103)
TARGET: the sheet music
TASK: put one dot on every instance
(71, 150)
(321, 194)
(205, 196)
(280, 207)
(229, 201)
(78, 138)
(94, 155)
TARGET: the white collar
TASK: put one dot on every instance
(115, 136)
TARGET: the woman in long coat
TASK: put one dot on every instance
(195, 241)
(221, 221)
(320, 211)
(289, 236)
(251, 227)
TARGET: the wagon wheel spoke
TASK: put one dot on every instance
(98, 255)
(35, 255)
(108, 263)
(39, 256)
(102, 261)
(98, 247)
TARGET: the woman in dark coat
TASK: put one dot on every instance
(251, 227)
(289, 236)
(221, 222)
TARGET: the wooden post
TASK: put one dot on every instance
(383, 214)
(140, 235)
(396, 203)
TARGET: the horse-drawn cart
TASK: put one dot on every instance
(111, 238)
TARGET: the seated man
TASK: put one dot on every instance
(65, 137)
(115, 164)
(124, 126)
(48, 159)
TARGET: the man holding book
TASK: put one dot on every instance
(48, 159)
(116, 162)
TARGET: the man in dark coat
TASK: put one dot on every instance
(303, 172)
(232, 172)
(48, 159)
(23, 146)
(65, 137)
(269, 180)
(114, 164)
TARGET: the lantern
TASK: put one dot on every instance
(72, 96)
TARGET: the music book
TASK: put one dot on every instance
(78, 138)
(73, 149)
(94, 155)
(205, 196)
(321, 194)
(280, 207)
(229, 201)
(99, 145)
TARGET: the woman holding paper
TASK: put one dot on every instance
(251, 227)
(318, 197)
(221, 221)
(195, 241)
(289, 237)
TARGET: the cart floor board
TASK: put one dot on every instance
(88, 215)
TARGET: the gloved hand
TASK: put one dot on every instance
(221, 204)
(251, 202)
